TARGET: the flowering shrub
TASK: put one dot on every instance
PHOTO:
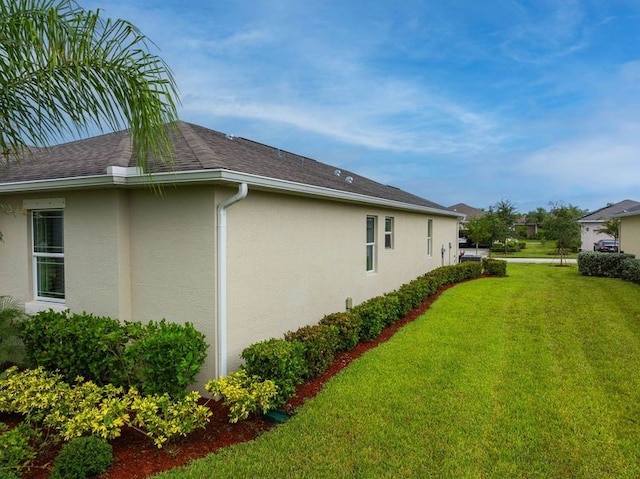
(85, 408)
(244, 394)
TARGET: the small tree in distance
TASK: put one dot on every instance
(562, 226)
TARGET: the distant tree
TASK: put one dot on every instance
(478, 231)
(502, 217)
(611, 227)
(561, 225)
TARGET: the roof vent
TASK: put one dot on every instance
(337, 172)
(348, 180)
(230, 137)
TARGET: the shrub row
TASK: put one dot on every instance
(609, 265)
(156, 358)
(310, 350)
(494, 267)
(84, 408)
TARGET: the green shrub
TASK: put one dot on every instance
(11, 315)
(71, 411)
(16, 451)
(165, 357)
(244, 394)
(81, 458)
(157, 358)
(320, 343)
(494, 267)
(373, 318)
(609, 265)
(279, 360)
(76, 345)
(631, 270)
(348, 325)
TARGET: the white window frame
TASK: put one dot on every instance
(370, 241)
(388, 232)
(42, 303)
(429, 237)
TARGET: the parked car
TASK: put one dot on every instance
(606, 246)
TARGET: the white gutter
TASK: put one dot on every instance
(221, 289)
(208, 176)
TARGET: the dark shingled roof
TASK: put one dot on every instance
(607, 212)
(467, 210)
(196, 149)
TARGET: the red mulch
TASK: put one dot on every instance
(135, 456)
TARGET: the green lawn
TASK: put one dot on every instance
(535, 249)
(533, 375)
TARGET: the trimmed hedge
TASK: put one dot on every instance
(279, 360)
(494, 267)
(608, 265)
(308, 351)
(320, 343)
(348, 325)
(157, 357)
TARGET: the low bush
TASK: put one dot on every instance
(279, 360)
(494, 267)
(82, 458)
(156, 358)
(609, 265)
(631, 270)
(348, 325)
(320, 343)
(76, 345)
(11, 315)
(309, 351)
(244, 394)
(16, 451)
(164, 357)
(373, 318)
(71, 411)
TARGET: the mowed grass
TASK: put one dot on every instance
(533, 375)
(535, 249)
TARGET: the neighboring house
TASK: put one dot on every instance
(244, 240)
(630, 231)
(469, 213)
(591, 223)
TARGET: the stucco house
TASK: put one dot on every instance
(630, 231)
(245, 241)
(594, 221)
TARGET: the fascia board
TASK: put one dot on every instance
(215, 176)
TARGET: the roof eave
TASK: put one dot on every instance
(122, 179)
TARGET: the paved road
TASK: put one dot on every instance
(551, 260)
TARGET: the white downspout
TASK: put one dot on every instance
(221, 290)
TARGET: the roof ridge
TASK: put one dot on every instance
(200, 149)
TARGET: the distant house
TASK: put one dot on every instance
(630, 231)
(469, 213)
(245, 241)
(591, 223)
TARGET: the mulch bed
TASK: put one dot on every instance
(135, 457)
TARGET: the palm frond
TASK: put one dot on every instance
(64, 69)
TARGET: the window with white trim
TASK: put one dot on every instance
(429, 237)
(388, 232)
(47, 232)
(371, 243)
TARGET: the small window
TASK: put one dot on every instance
(429, 237)
(388, 232)
(371, 243)
(48, 255)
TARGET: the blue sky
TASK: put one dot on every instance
(457, 101)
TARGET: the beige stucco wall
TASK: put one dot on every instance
(134, 255)
(293, 260)
(630, 235)
(589, 234)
